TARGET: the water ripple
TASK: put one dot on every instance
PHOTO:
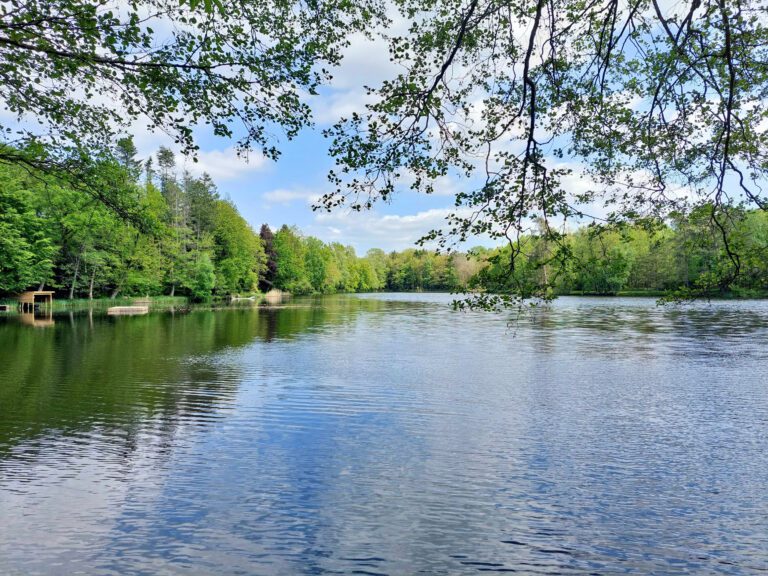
(388, 435)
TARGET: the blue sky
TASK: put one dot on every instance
(282, 192)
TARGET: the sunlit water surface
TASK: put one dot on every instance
(387, 434)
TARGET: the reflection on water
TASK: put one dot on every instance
(36, 319)
(386, 434)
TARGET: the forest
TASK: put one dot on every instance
(684, 256)
(660, 108)
(154, 230)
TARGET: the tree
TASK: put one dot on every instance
(317, 261)
(754, 230)
(602, 263)
(345, 259)
(291, 269)
(84, 71)
(166, 162)
(378, 260)
(125, 151)
(664, 106)
(267, 279)
(238, 254)
(26, 250)
(201, 196)
(202, 278)
(177, 237)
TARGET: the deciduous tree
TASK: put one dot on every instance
(663, 104)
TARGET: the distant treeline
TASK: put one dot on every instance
(157, 231)
(154, 230)
(305, 265)
(686, 256)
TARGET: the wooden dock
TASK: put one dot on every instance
(275, 296)
(127, 310)
(32, 298)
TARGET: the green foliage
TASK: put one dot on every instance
(184, 238)
(189, 240)
(267, 279)
(85, 71)
(318, 259)
(549, 111)
(26, 250)
(125, 152)
(422, 270)
(687, 257)
(307, 265)
(602, 262)
(238, 254)
(291, 270)
(202, 278)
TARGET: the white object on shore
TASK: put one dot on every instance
(127, 310)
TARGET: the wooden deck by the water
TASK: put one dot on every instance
(275, 296)
(28, 300)
(127, 310)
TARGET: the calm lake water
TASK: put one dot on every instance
(387, 434)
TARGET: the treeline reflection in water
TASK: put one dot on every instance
(387, 434)
(707, 330)
(91, 369)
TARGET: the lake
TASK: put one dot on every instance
(387, 434)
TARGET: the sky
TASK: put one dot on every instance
(283, 192)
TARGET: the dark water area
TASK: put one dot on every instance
(387, 434)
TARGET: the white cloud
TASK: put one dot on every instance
(329, 108)
(366, 62)
(365, 230)
(6, 116)
(446, 186)
(289, 195)
(221, 163)
(226, 164)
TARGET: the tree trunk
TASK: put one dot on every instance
(90, 284)
(173, 290)
(74, 277)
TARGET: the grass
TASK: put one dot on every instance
(620, 293)
(734, 294)
(60, 304)
(155, 302)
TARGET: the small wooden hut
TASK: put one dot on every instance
(28, 300)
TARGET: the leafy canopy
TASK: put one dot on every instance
(663, 103)
(76, 74)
